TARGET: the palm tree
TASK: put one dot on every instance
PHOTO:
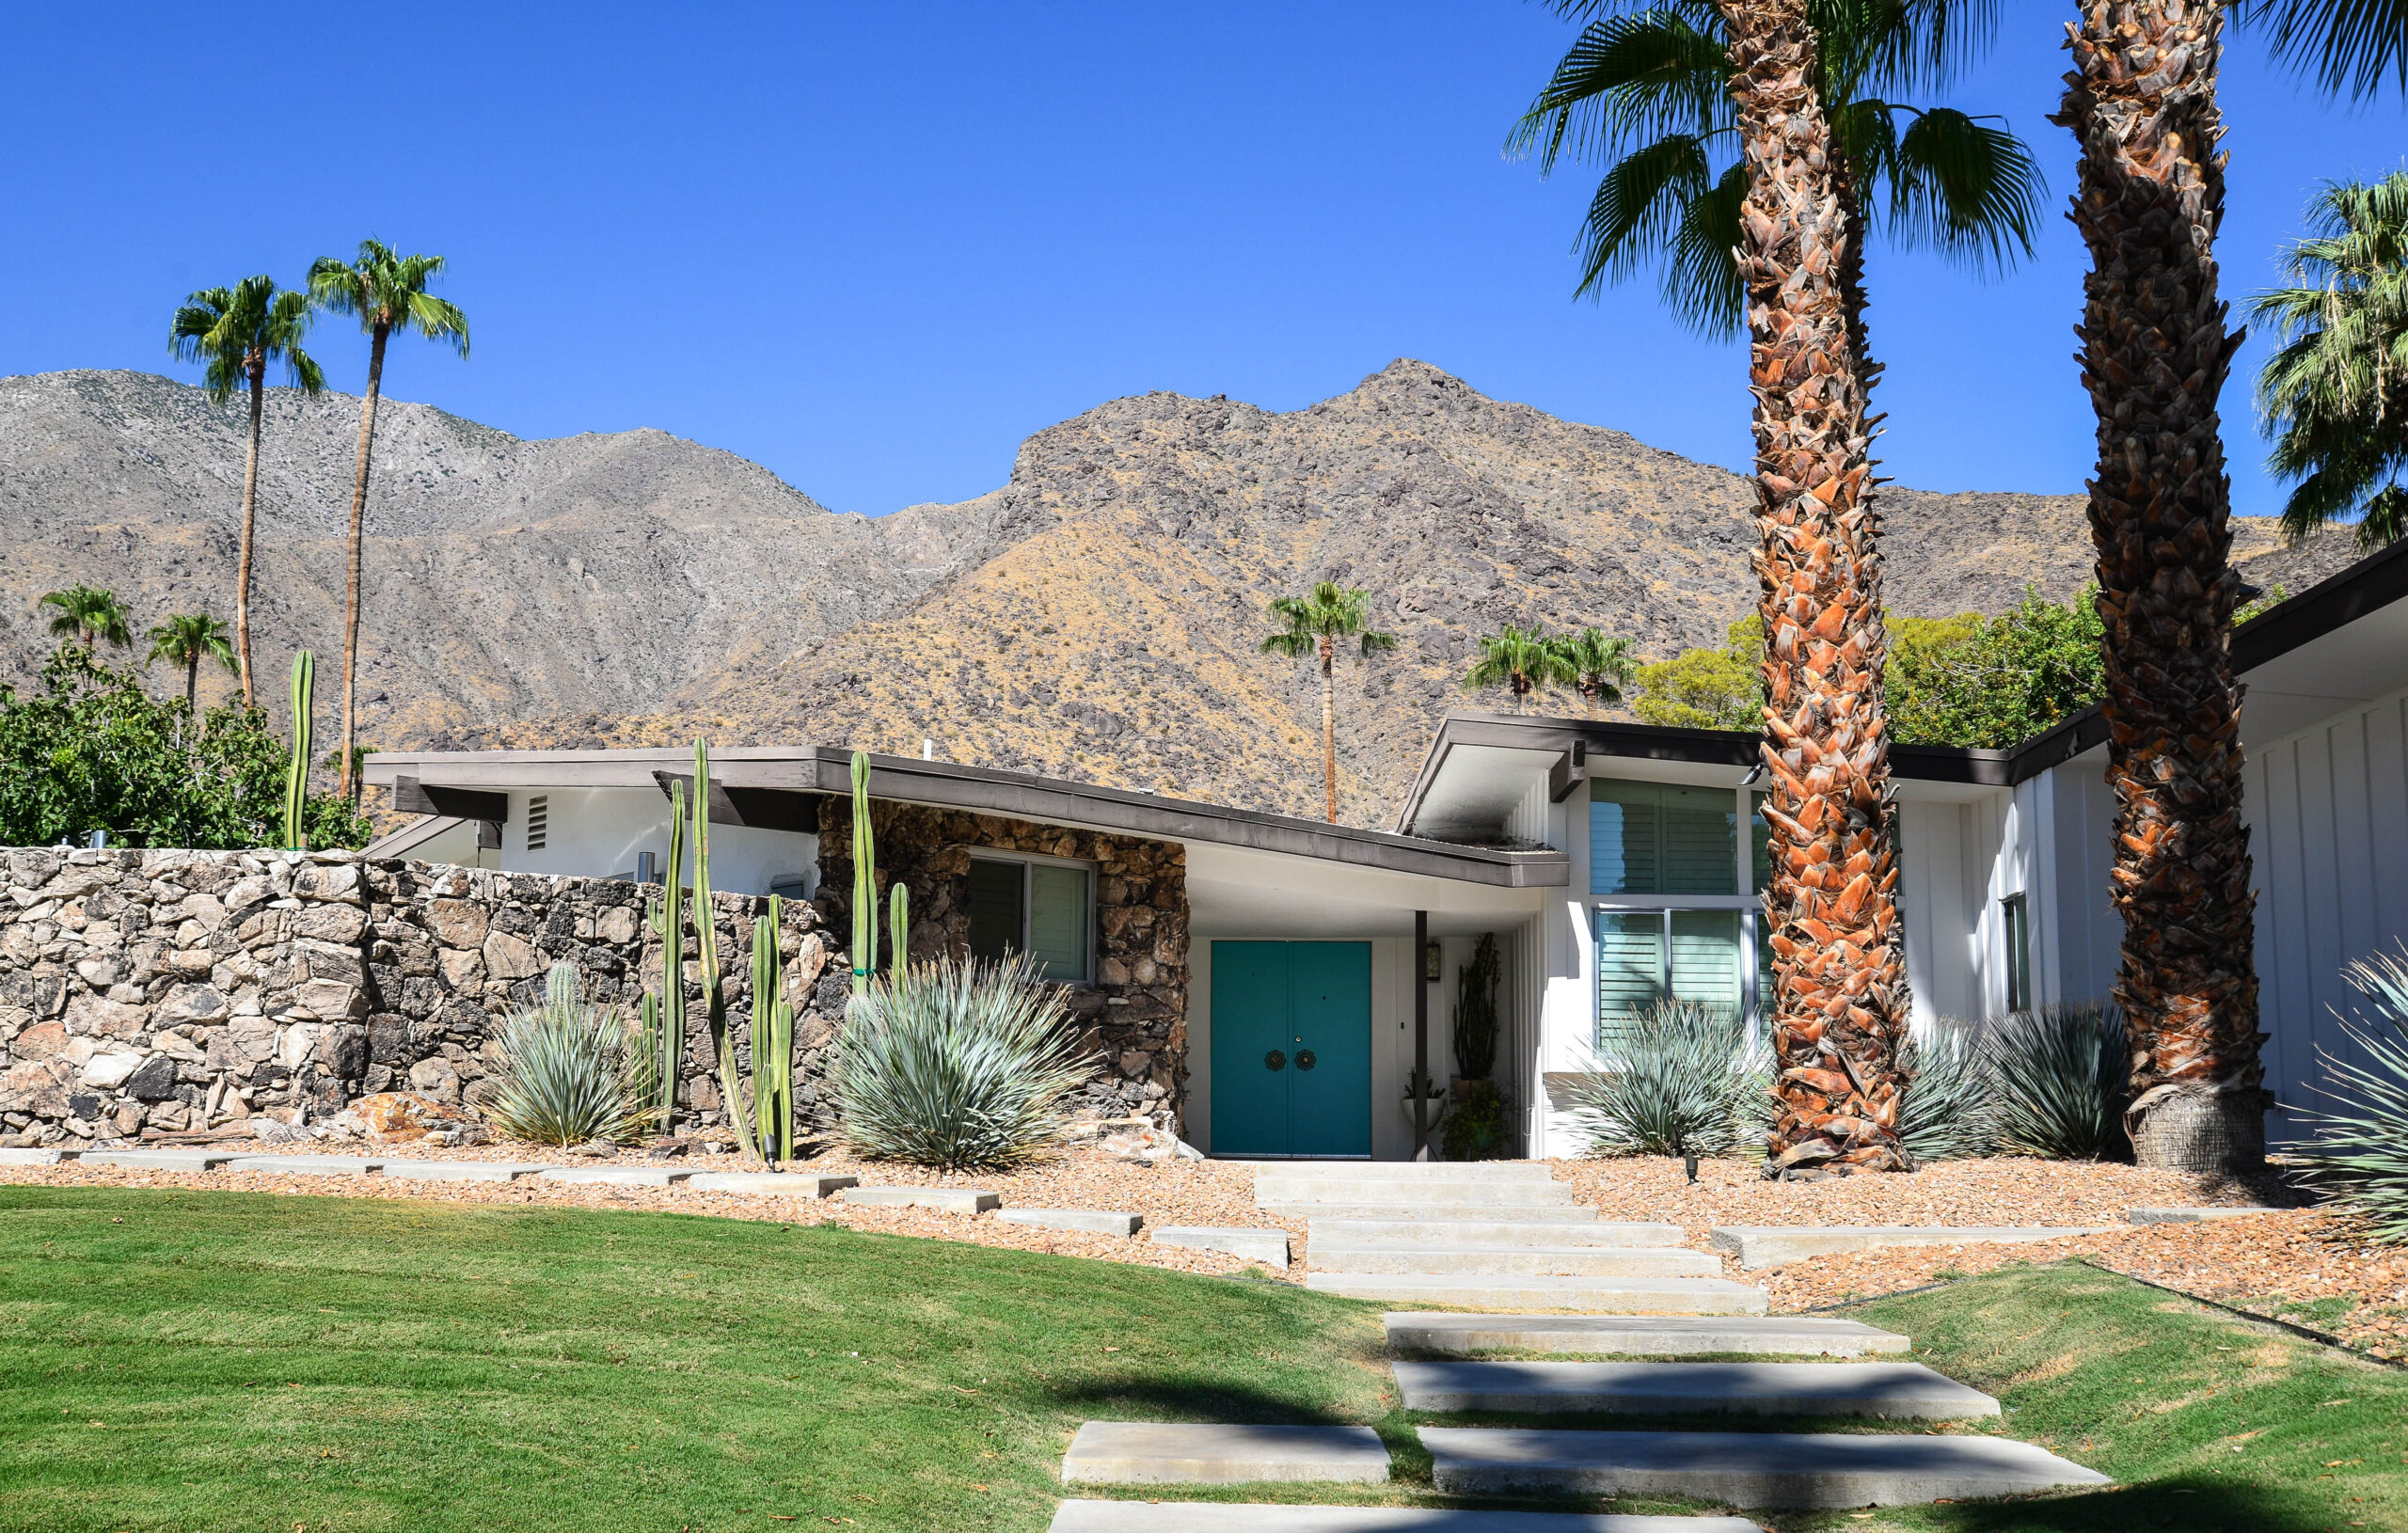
(1313, 626)
(2334, 398)
(2350, 46)
(1600, 667)
(92, 615)
(1647, 89)
(1522, 660)
(186, 638)
(2140, 100)
(385, 293)
(236, 332)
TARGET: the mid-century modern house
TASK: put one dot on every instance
(1266, 970)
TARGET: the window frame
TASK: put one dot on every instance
(2014, 938)
(1027, 901)
(1749, 902)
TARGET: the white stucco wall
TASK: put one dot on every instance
(595, 832)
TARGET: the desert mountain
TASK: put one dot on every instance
(1098, 616)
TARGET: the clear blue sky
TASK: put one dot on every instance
(874, 247)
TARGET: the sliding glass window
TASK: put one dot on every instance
(1671, 881)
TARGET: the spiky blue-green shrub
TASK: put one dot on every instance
(571, 1072)
(1951, 1108)
(2061, 1082)
(1677, 1080)
(2359, 1153)
(959, 1063)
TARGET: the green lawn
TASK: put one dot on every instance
(174, 1359)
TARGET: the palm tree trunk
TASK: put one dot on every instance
(250, 515)
(1839, 997)
(351, 602)
(192, 681)
(1329, 726)
(2154, 353)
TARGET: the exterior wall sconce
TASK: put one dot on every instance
(1434, 967)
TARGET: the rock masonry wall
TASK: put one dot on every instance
(173, 990)
(1135, 1014)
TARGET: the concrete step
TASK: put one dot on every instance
(1231, 1517)
(1887, 1391)
(1642, 1336)
(1086, 1221)
(1516, 1261)
(463, 1170)
(1588, 1295)
(1268, 1246)
(960, 1200)
(1479, 1230)
(1404, 1170)
(2188, 1216)
(159, 1160)
(307, 1165)
(1523, 1213)
(1406, 1192)
(1745, 1469)
(1193, 1453)
(1777, 1245)
(613, 1176)
(768, 1183)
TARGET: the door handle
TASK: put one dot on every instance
(1274, 1060)
(1305, 1060)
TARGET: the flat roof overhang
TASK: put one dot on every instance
(788, 771)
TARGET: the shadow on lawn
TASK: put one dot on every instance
(2193, 1504)
(1192, 1400)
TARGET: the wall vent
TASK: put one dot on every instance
(539, 817)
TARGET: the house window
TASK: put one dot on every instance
(1662, 838)
(2018, 925)
(1041, 908)
(539, 821)
(1645, 957)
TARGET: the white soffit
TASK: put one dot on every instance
(1476, 788)
(2355, 664)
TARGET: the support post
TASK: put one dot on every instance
(1419, 1085)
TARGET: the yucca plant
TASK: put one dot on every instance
(1951, 1108)
(1679, 1078)
(2061, 1074)
(2360, 1151)
(571, 1072)
(959, 1063)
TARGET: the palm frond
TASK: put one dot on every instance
(1702, 282)
(2347, 47)
(1962, 187)
(1628, 78)
(1638, 208)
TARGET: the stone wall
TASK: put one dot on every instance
(1135, 1014)
(167, 990)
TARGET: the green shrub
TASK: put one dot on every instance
(1677, 1080)
(959, 1063)
(2061, 1075)
(1482, 1126)
(2360, 1149)
(1950, 1112)
(572, 1071)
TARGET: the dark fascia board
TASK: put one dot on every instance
(2367, 586)
(827, 769)
(412, 796)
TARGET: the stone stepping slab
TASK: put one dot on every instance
(1758, 1246)
(1081, 1516)
(1746, 1469)
(1639, 1335)
(1514, 1260)
(1089, 1221)
(1886, 1391)
(1501, 1212)
(1514, 1170)
(160, 1159)
(1191, 1453)
(1267, 1246)
(613, 1176)
(307, 1165)
(961, 1200)
(32, 1156)
(2188, 1216)
(1409, 1193)
(1485, 1231)
(464, 1170)
(774, 1183)
(1592, 1295)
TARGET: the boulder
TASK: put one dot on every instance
(43, 1040)
(94, 1016)
(435, 1077)
(108, 1069)
(511, 957)
(28, 1088)
(393, 1116)
(152, 1080)
(457, 923)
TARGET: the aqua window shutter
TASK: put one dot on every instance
(1701, 840)
(1057, 921)
(1630, 966)
(1623, 835)
(994, 890)
(1705, 959)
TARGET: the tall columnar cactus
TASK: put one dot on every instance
(864, 881)
(898, 931)
(706, 948)
(296, 775)
(669, 924)
(772, 1040)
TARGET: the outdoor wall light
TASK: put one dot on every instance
(1433, 966)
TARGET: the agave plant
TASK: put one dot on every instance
(959, 1063)
(2061, 1074)
(2360, 1149)
(572, 1071)
(1679, 1078)
(1951, 1108)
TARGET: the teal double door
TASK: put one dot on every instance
(1292, 1049)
